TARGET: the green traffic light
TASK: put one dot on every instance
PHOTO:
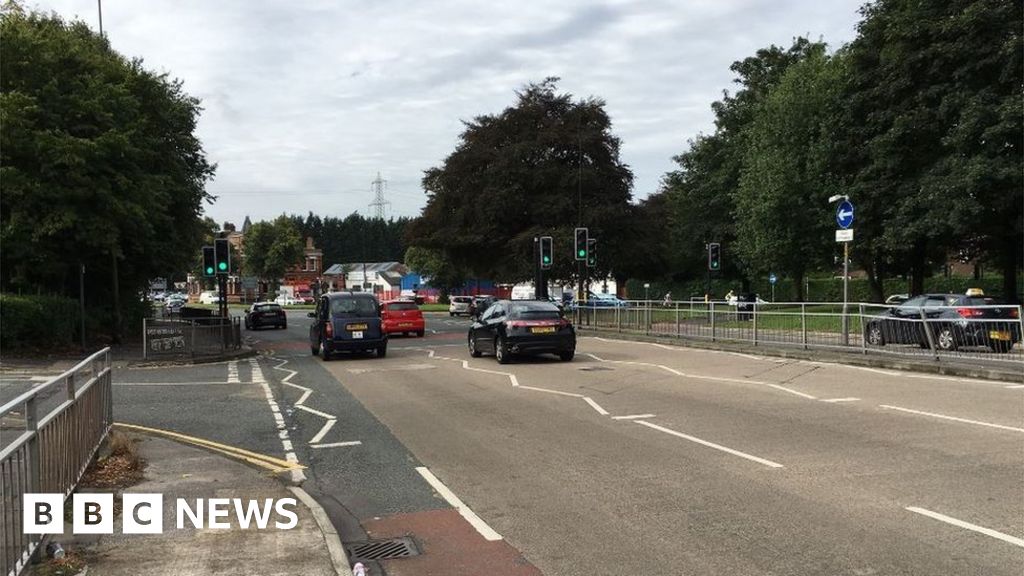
(222, 265)
(583, 253)
(547, 259)
(209, 270)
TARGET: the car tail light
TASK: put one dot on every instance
(564, 323)
(1014, 313)
(518, 324)
(969, 312)
(329, 329)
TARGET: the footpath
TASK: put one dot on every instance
(176, 471)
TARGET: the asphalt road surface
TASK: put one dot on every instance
(634, 458)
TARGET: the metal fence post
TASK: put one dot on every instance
(618, 318)
(928, 334)
(192, 344)
(755, 322)
(803, 324)
(145, 344)
(711, 309)
(32, 425)
(678, 328)
(863, 339)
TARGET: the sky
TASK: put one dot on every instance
(306, 101)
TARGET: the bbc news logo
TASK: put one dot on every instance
(144, 513)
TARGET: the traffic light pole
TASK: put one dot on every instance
(222, 288)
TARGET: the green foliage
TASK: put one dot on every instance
(99, 161)
(38, 321)
(271, 248)
(535, 169)
(441, 271)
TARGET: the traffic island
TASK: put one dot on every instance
(185, 474)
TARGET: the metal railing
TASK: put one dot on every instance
(981, 334)
(195, 337)
(49, 454)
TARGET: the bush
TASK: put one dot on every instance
(37, 321)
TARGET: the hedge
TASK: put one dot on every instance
(37, 321)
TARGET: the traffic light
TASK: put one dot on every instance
(591, 252)
(546, 252)
(209, 262)
(582, 235)
(222, 255)
(714, 256)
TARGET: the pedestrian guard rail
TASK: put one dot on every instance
(49, 453)
(987, 334)
(169, 337)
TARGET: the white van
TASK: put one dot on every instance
(523, 292)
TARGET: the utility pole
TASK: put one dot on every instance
(99, 8)
(378, 187)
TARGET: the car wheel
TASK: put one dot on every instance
(323, 351)
(500, 352)
(945, 339)
(284, 326)
(421, 333)
(567, 356)
(314, 350)
(874, 335)
(1001, 347)
(452, 314)
(382, 351)
(472, 348)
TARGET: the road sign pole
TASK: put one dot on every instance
(846, 292)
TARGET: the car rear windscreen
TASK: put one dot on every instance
(402, 306)
(357, 307)
(534, 311)
(268, 308)
(462, 299)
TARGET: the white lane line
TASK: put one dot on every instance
(174, 383)
(559, 392)
(1015, 386)
(953, 418)
(233, 371)
(323, 431)
(289, 455)
(317, 412)
(486, 531)
(711, 444)
(633, 417)
(595, 406)
(337, 444)
(840, 400)
(791, 391)
(968, 526)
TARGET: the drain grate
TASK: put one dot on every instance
(594, 368)
(383, 549)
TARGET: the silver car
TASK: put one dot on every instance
(460, 305)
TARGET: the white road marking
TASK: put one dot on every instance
(174, 383)
(791, 391)
(233, 371)
(337, 444)
(953, 418)
(840, 400)
(549, 391)
(393, 369)
(289, 455)
(1015, 386)
(317, 412)
(486, 531)
(968, 526)
(595, 406)
(633, 417)
(711, 444)
(323, 431)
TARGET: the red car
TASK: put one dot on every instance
(402, 316)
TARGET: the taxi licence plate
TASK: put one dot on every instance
(542, 330)
(355, 327)
(999, 335)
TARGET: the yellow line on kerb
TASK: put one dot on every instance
(262, 460)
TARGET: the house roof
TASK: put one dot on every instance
(378, 267)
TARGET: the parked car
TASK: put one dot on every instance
(895, 299)
(402, 317)
(601, 300)
(347, 321)
(285, 300)
(480, 304)
(209, 297)
(954, 320)
(514, 327)
(174, 306)
(305, 298)
(459, 305)
(263, 314)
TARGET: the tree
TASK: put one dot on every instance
(271, 248)
(435, 267)
(537, 168)
(781, 202)
(99, 161)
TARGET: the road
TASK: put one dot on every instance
(635, 458)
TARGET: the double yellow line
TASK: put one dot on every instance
(275, 465)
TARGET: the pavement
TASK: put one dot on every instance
(635, 458)
(178, 471)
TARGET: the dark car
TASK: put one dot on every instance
(511, 327)
(263, 314)
(480, 304)
(954, 320)
(347, 322)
